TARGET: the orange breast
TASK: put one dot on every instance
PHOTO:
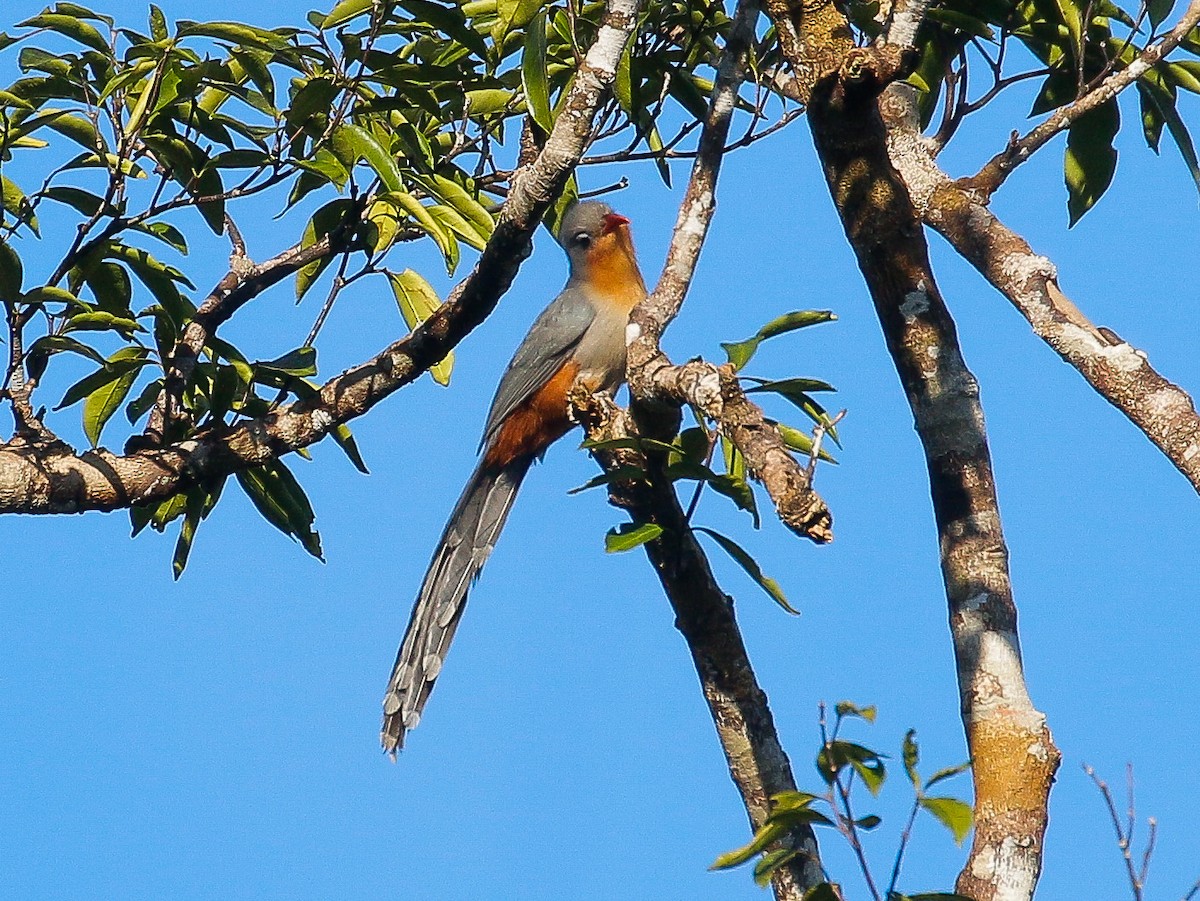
(537, 423)
(612, 269)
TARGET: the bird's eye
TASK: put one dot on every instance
(581, 239)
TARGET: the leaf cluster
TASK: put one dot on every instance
(840, 764)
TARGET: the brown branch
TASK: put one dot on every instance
(999, 167)
(1014, 756)
(704, 615)
(655, 381)
(53, 479)
(1120, 373)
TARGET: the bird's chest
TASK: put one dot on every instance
(601, 352)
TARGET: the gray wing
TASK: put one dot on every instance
(553, 336)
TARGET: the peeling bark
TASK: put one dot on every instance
(1120, 373)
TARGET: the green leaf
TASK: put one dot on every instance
(947, 773)
(298, 363)
(952, 813)
(962, 22)
(770, 862)
(52, 344)
(344, 438)
(158, 24)
(71, 27)
(629, 535)
(345, 11)
(1158, 11)
(740, 352)
(748, 563)
(104, 401)
(194, 509)
(277, 495)
(911, 754)
(799, 441)
(1152, 119)
(235, 33)
(835, 756)
(324, 221)
(1164, 100)
(868, 822)
(534, 79)
(846, 708)
(1091, 159)
(417, 301)
(12, 273)
(620, 474)
(100, 321)
(444, 240)
(767, 834)
(489, 101)
(124, 361)
(238, 361)
(140, 405)
(514, 14)
(16, 203)
(350, 143)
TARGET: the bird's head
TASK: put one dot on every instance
(595, 236)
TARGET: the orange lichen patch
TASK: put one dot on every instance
(612, 269)
(537, 423)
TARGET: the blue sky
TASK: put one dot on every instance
(216, 737)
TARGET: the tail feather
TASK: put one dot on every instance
(466, 543)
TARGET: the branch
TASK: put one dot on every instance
(653, 380)
(50, 478)
(1121, 374)
(703, 613)
(999, 167)
(1014, 757)
(705, 617)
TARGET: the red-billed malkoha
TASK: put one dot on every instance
(579, 337)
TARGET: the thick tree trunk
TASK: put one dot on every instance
(1014, 757)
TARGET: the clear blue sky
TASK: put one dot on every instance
(216, 738)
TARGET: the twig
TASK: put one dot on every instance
(1125, 836)
(994, 173)
(818, 437)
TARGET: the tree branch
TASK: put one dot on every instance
(705, 617)
(704, 614)
(654, 381)
(48, 477)
(999, 167)
(1011, 747)
(1121, 374)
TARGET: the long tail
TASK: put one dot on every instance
(466, 543)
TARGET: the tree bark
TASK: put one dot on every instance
(1013, 754)
(704, 615)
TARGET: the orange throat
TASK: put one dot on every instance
(612, 268)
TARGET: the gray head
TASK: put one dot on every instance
(582, 227)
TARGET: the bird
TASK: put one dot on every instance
(578, 338)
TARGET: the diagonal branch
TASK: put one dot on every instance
(1121, 374)
(999, 167)
(704, 614)
(705, 617)
(51, 478)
